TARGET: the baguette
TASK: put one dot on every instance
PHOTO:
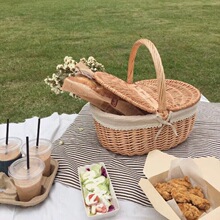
(91, 91)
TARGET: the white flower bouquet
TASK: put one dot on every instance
(69, 69)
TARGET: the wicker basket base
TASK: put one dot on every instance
(142, 141)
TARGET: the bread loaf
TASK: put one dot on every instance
(91, 91)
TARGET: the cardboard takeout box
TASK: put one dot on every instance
(156, 169)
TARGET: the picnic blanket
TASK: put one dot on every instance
(79, 146)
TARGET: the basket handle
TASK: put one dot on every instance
(161, 85)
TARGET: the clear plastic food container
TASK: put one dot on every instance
(97, 191)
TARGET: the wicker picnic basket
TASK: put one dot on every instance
(163, 128)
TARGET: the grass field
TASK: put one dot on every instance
(36, 36)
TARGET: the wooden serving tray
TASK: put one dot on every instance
(45, 189)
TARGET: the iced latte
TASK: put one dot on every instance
(27, 181)
(43, 151)
(9, 153)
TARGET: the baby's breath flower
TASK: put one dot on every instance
(72, 67)
(69, 69)
(65, 66)
(67, 59)
(83, 60)
(59, 67)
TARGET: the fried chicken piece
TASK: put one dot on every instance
(181, 183)
(181, 188)
(197, 191)
(180, 196)
(190, 199)
(164, 189)
(199, 202)
(189, 211)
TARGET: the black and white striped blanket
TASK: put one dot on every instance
(81, 147)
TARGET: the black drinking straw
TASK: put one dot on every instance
(38, 132)
(27, 151)
(7, 131)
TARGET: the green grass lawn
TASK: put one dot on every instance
(35, 36)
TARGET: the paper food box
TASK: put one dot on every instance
(202, 172)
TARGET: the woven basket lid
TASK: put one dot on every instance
(179, 95)
(132, 93)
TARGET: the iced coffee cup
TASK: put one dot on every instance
(9, 153)
(27, 181)
(43, 151)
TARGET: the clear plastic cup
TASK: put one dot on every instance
(9, 153)
(27, 181)
(43, 151)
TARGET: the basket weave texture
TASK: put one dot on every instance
(168, 127)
